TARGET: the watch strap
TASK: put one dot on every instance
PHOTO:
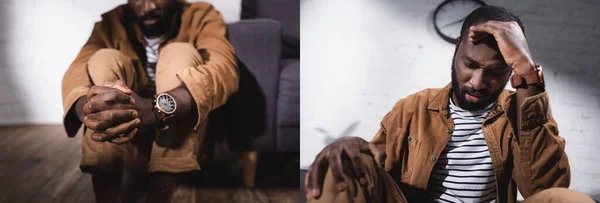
(531, 78)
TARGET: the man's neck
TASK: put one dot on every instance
(152, 36)
(454, 100)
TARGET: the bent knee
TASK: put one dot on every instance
(177, 47)
(110, 64)
(108, 58)
(562, 195)
(368, 162)
(106, 54)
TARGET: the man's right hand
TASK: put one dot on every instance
(108, 111)
(331, 157)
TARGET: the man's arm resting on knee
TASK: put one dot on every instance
(186, 106)
(211, 83)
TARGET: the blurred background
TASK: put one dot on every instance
(39, 39)
(359, 57)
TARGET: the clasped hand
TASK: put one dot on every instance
(115, 113)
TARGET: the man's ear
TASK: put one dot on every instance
(457, 42)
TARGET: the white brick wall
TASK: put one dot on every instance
(38, 41)
(362, 58)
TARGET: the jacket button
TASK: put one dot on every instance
(409, 138)
(449, 131)
(432, 158)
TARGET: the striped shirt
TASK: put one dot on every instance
(151, 57)
(464, 172)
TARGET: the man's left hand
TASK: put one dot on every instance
(144, 111)
(511, 42)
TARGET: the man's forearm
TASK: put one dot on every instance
(186, 106)
(521, 94)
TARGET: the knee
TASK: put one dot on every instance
(104, 58)
(368, 162)
(110, 64)
(176, 48)
(103, 55)
(565, 195)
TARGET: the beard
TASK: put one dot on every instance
(161, 25)
(461, 91)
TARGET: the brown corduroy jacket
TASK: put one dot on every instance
(199, 24)
(414, 133)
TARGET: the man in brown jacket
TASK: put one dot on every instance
(471, 141)
(143, 85)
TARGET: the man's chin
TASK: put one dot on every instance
(472, 105)
(154, 29)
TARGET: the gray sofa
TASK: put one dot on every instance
(264, 115)
(267, 43)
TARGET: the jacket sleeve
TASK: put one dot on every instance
(211, 83)
(540, 161)
(76, 81)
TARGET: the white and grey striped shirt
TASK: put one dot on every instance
(151, 57)
(464, 171)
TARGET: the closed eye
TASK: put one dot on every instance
(471, 66)
(470, 63)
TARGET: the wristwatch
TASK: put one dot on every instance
(535, 77)
(164, 106)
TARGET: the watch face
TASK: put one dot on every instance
(166, 103)
(450, 15)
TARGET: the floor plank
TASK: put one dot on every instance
(39, 163)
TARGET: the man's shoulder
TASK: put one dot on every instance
(114, 14)
(200, 4)
(420, 98)
(426, 94)
(410, 105)
(197, 7)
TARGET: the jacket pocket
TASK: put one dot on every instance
(410, 154)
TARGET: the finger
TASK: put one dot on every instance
(120, 85)
(123, 128)
(479, 32)
(318, 172)
(337, 170)
(115, 115)
(101, 136)
(97, 90)
(475, 37)
(96, 125)
(93, 107)
(307, 186)
(378, 154)
(358, 164)
(112, 96)
(313, 175)
(483, 28)
(125, 138)
(497, 24)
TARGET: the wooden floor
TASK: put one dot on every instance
(39, 163)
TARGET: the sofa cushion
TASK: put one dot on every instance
(288, 109)
(287, 12)
(288, 100)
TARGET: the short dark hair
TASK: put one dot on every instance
(487, 13)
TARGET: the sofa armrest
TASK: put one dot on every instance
(257, 43)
